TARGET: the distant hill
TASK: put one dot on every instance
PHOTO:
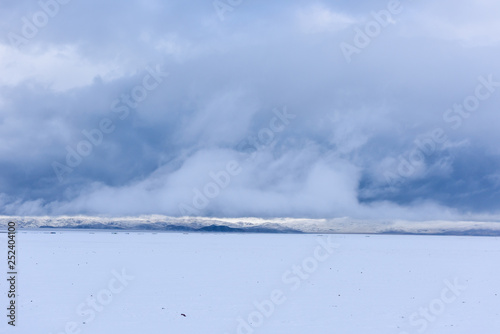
(256, 225)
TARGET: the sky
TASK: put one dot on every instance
(232, 108)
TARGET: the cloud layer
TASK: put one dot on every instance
(304, 109)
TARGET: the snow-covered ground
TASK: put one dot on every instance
(130, 282)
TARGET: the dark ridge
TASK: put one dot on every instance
(163, 227)
(401, 232)
(475, 232)
(95, 226)
(470, 232)
(220, 228)
(259, 229)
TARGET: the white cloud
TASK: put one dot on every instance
(173, 45)
(472, 24)
(225, 78)
(59, 67)
(318, 19)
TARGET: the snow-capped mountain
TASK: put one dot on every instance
(257, 225)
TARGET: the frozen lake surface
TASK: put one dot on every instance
(130, 282)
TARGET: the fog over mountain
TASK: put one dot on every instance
(323, 109)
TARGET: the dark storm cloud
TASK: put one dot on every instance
(354, 120)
